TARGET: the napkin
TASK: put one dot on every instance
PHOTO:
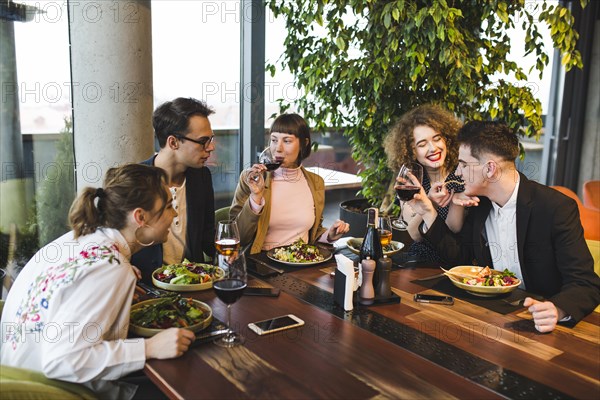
(344, 283)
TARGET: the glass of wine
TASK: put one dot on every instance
(229, 289)
(385, 230)
(227, 238)
(406, 187)
(269, 160)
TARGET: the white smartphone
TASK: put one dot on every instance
(275, 324)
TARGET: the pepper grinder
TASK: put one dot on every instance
(383, 289)
(366, 292)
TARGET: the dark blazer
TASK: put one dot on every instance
(555, 260)
(200, 232)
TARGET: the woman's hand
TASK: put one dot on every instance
(421, 203)
(461, 199)
(337, 230)
(169, 343)
(137, 272)
(256, 182)
(439, 194)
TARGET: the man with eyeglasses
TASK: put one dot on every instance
(186, 141)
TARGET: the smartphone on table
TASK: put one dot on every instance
(275, 324)
(261, 291)
(261, 269)
(432, 298)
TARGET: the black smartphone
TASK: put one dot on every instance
(431, 298)
(260, 269)
(261, 291)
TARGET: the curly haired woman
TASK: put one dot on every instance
(427, 134)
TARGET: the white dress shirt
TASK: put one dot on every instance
(501, 230)
(174, 247)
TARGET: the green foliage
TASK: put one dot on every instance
(56, 192)
(363, 63)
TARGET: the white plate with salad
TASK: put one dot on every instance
(186, 276)
(394, 247)
(153, 316)
(299, 253)
(483, 281)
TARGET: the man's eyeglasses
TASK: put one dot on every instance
(203, 141)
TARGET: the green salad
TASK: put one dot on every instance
(187, 272)
(298, 252)
(168, 312)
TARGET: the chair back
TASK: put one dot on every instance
(594, 246)
(590, 219)
(19, 383)
(222, 214)
(591, 195)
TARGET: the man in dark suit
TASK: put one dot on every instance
(528, 228)
(186, 142)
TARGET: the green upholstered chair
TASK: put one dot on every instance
(19, 383)
(594, 246)
(221, 214)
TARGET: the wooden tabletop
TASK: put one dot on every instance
(405, 350)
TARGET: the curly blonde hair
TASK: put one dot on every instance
(399, 142)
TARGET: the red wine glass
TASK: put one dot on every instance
(269, 160)
(229, 289)
(408, 183)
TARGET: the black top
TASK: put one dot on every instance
(422, 250)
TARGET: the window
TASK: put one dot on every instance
(37, 185)
(196, 53)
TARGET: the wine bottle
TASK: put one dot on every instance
(371, 245)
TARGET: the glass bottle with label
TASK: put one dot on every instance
(371, 245)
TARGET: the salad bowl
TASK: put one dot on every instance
(300, 254)
(394, 247)
(184, 277)
(482, 291)
(153, 316)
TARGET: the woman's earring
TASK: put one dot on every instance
(138, 241)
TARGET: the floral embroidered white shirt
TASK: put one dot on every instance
(67, 314)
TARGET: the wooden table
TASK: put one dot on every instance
(406, 350)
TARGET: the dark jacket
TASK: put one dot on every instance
(200, 234)
(555, 260)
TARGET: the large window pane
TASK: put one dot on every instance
(196, 53)
(37, 185)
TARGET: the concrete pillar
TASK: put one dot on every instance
(111, 56)
(12, 181)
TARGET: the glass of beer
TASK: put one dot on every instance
(385, 230)
(227, 238)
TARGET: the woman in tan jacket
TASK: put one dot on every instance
(276, 208)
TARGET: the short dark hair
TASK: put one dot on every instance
(489, 137)
(293, 124)
(173, 117)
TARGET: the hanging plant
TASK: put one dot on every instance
(364, 63)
